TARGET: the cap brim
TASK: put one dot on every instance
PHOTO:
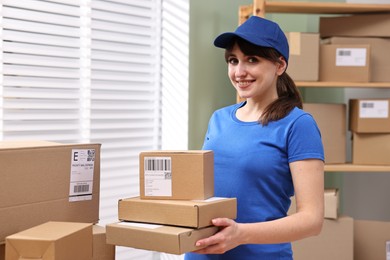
(225, 39)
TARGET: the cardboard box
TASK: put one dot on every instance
(345, 62)
(51, 241)
(370, 239)
(357, 25)
(371, 149)
(101, 250)
(196, 214)
(331, 120)
(180, 175)
(304, 56)
(331, 204)
(168, 239)
(335, 242)
(369, 115)
(380, 59)
(39, 184)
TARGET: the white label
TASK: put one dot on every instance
(81, 174)
(374, 109)
(387, 250)
(355, 57)
(140, 225)
(158, 176)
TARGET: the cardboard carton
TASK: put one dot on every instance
(358, 25)
(304, 56)
(45, 181)
(168, 239)
(51, 241)
(101, 250)
(371, 149)
(331, 120)
(334, 242)
(369, 115)
(180, 175)
(370, 239)
(196, 214)
(380, 59)
(331, 204)
(345, 62)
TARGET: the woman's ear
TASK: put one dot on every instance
(282, 66)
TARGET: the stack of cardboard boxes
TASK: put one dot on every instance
(50, 191)
(175, 206)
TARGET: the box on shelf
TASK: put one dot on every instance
(304, 56)
(370, 239)
(331, 204)
(45, 181)
(331, 120)
(51, 241)
(371, 149)
(345, 62)
(167, 239)
(186, 213)
(101, 250)
(380, 60)
(334, 242)
(369, 115)
(364, 25)
(181, 175)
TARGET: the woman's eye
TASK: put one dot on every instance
(232, 61)
(253, 59)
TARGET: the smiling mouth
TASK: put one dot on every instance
(244, 84)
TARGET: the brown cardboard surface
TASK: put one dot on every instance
(35, 180)
(371, 149)
(196, 214)
(370, 239)
(191, 176)
(330, 71)
(369, 115)
(331, 120)
(168, 239)
(2, 251)
(51, 241)
(365, 25)
(101, 250)
(304, 56)
(380, 58)
(335, 242)
(331, 204)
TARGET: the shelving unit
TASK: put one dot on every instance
(260, 7)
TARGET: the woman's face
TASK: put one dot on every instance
(253, 76)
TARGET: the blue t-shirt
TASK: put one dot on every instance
(251, 163)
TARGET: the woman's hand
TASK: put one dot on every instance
(227, 238)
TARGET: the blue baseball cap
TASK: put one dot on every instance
(260, 32)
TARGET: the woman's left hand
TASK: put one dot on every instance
(227, 238)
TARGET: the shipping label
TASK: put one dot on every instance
(158, 176)
(374, 109)
(81, 174)
(355, 57)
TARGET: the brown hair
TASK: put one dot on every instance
(288, 93)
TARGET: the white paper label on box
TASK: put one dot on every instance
(81, 174)
(158, 176)
(374, 109)
(355, 57)
(140, 225)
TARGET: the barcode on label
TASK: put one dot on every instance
(367, 105)
(344, 53)
(158, 164)
(91, 155)
(81, 188)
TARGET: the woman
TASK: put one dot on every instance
(266, 150)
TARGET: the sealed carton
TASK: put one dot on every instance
(334, 242)
(304, 56)
(191, 213)
(371, 149)
(380, 60)
(51, 241)
(168, 239)
(331, 120)
(345, 62)
(364, 25)
(369, 115)
(181, 175)
(46, 181)
(101, 250)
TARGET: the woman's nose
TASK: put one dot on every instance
(240, 70)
